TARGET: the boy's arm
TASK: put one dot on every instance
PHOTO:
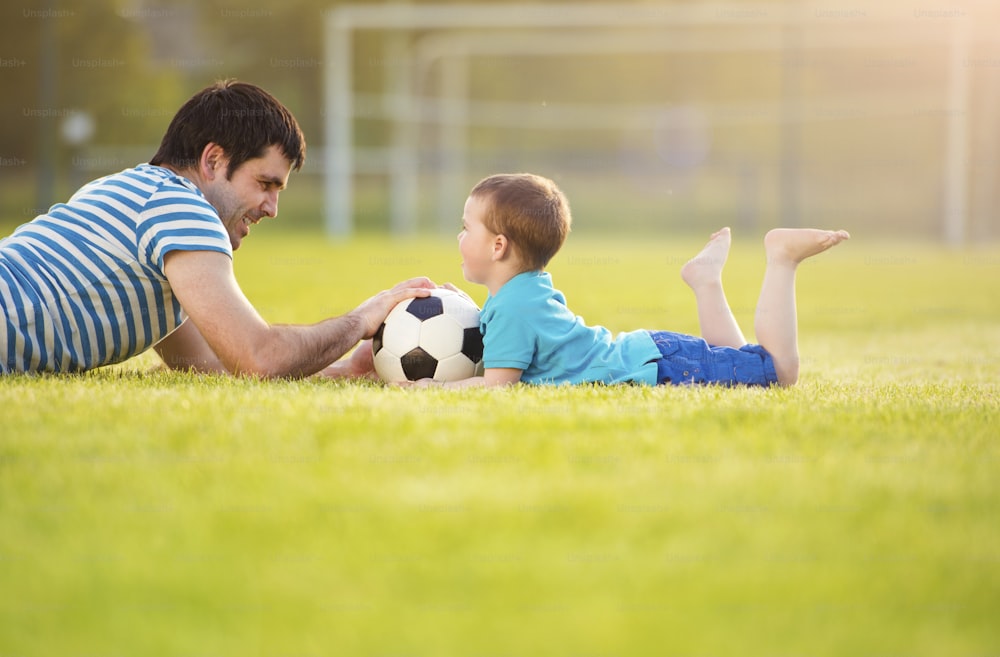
(492, 377)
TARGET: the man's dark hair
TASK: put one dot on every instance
(241, 118)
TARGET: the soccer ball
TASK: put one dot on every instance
(435, 337)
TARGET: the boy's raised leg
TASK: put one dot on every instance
(775, 321)
(703, 273)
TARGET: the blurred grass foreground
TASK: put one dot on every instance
(152, 513)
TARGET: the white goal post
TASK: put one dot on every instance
(451, 34)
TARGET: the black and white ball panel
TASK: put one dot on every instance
(431, 337)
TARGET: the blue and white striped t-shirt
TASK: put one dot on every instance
(83, 285)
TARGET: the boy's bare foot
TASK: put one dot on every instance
(706, 267)
(793, 245)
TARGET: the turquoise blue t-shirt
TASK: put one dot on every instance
(527, 326)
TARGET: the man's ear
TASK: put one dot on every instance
(213, 161)
(501, 247)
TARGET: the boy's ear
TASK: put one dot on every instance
(501, 246)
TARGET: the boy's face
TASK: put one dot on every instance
(476, 241)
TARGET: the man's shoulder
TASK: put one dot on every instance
(166, 195)
(176, 216)
(142, 186)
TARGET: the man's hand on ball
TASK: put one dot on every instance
(373, 311)
(420, 282)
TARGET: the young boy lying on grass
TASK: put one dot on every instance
(512, 226)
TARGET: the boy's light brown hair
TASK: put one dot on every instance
(531, 211)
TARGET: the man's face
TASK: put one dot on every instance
(251, 194)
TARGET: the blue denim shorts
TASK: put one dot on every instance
(688, 359)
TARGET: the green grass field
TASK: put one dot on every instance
(147, 513)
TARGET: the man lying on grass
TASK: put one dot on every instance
(145, 258)
(514, 224)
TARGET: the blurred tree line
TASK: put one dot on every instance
(131, 63)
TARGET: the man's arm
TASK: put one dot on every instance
(186, 349)
(204, 284)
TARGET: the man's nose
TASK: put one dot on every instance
(270, 206)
